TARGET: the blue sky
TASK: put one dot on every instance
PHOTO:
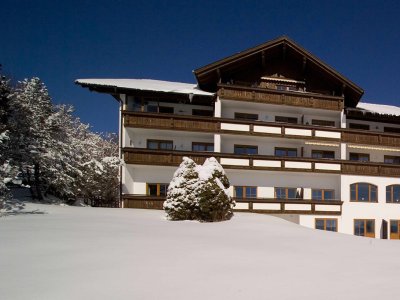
(60, 41)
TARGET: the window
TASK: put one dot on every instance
(359, 157)
(160, 144)
(364, 227)
(322, 154)
(246, 149)
(323, 123)
(391, 129)
(197, 146)
(359, 126)
(157, 189)
(285, 152)
(244, 116)
(245, 192)
(322, 194)
(281, 87)
(394, 160)
(165, 109)
(288, 193)
(281, 119)
(326, 224)
(394, 229)
(363, 192)
(202, 112)
(393, 193)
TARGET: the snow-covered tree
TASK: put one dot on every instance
(199, 192)
(181, 202)
(31, 144)
(215, 203)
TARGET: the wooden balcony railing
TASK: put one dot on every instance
(144, 156)
(257, 128)
(310, 100)
(257, 205)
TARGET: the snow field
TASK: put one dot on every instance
(100, 253)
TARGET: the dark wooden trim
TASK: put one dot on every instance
(270, 96)
(144, 156)
(156, 202)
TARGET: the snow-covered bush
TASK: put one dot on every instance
(181, 202)
(215, 204)
(199, 192)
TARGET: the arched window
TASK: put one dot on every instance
(393, 193)
(363, 192)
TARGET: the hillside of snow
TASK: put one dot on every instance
(61, 252)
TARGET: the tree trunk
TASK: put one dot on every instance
(37, 182)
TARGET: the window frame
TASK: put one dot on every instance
(235, 146)
(323, 194)
(323, 123)
(158, 189)
(359, 126)
(370, 185)
(366, 233)
(391, 186)
(203, 144)
(286, 150)
(286, 120)
(394, 157)
(360, 155)
(244, 191)
(322, 152)
(286, 189)
(158, 144)
(325, 223)
(394, 235)
(245, 116)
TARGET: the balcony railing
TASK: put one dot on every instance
(144, 156)
(258, 205)
(261, 95)
(257, 128)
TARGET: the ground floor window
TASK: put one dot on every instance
(326, 224)
(395, 229)
(157, 189)
(322, 194)
(245, 192)
(393, 193)
(364, 227)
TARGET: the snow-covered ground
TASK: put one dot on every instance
(101, 253)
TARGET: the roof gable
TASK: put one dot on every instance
(283, 58)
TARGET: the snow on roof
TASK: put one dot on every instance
(147, 85)
(380, 108)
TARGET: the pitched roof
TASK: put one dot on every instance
(201, 73)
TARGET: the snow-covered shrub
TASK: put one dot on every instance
(181, 202)
(215, 204)
(199, 192)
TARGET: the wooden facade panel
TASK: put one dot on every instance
(174, 158)
(280, 98)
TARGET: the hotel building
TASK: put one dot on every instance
(290, 132)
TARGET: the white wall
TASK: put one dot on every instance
(137, 137)
(267, 112)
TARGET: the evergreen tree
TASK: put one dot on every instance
(181, 202)
(215, 204)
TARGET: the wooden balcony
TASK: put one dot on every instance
(169, 121)
(142, 156)
(257, 128)
(257, 205)
(269, 96)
